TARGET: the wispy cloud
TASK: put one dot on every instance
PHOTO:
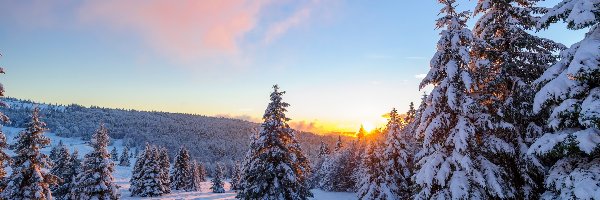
(183, 29)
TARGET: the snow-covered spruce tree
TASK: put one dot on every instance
(508, 58)
(114, 154)
(63, 169)
(4, 158)
(30, 177)
(236, 177)
(338, 144)
(277, 167)
(181, 174)
(71, 175)
(196, 182)
(372, 183)
(450, 164)
(153, 185)
(124, 159)
(76, 163)
(396, 158)
(95, 181)
(339, 169)
(136, 183)
(571, 93)
(344, 176)
(201, 172)
(323, 150)
(54, 151)
(321, 157)
(165, 165)
(217, 180)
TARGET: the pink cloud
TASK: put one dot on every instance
(182, 30)
(185, 29)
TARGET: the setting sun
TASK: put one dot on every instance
(368, 126)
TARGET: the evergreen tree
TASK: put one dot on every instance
(338, 144)
(114, 154)
(322, 156)
(165, 165)
(361, 133)
(136, 183)
(217, 180)
(570, 92)
(95, 181)
(146, 178)
(4, 158)
(196, 182)
(339, 170)
(181, 174)
(71, 175)
(76, 163)
(55, 151)
(30, 177)
(450, 165)
(236, 177)
(372, 184)
(508, 58)
(397, 158)
(323, 150)
(201, 172)
(277, 167)
(152, 181)
(63, 169)
(124, 159)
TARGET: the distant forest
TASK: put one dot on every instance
(209, 139)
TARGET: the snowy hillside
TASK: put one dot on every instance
(123, 174)
(209, 139)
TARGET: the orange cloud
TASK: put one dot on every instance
(185, 29)
(313, 126)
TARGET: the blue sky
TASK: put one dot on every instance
(342, 63)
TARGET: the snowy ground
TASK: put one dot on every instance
(122, 174)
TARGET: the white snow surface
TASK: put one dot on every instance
(123, 174)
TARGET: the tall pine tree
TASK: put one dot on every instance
(124, 159)
(570, 92)
(397, 158)
(30, 177)
(277, 167)
(95, 181)
(450, 165)
(217, 180)
(508, 58)
(165, 165)
(114, 154)
(372, 184)
(196, 182)
(136, 182)
(63, 169)
(181, 174)
(4, 158)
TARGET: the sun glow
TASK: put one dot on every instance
(368, 126)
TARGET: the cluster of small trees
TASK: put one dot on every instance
(151, 176)
(35, 176)
(507, 118)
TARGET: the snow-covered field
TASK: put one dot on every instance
(122, 174)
